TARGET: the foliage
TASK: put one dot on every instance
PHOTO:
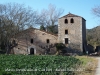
(42, 28)
(93, 36)
(52, 29)
(59, 46)
(95, 41)
(39, 65)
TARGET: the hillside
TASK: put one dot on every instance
(93, 36)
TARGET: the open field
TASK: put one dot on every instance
(44, 65)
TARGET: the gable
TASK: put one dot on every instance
(71, 15)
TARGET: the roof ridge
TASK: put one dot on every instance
(32, 28)
(70, 15)
(46, 32)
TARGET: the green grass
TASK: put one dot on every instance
(39, 65)
(84, 59)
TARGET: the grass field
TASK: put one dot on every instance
(43, 65)
(89, 64)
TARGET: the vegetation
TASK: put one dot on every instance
(39, 65)
(42, 28)
(60, 47)
(15, 18)
(46, 65)
(49, 17)
(93, 37)
(89, 64)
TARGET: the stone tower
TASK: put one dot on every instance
(72, 32)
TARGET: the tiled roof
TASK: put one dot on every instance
(71, 15)
(47, 32)
(31, 29)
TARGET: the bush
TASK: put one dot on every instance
(60, 48)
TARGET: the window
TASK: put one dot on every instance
(66, 31)
(72, 20)
(66, 21)
(14, 42)
(31, 40)
(66, 40)
(48, 41)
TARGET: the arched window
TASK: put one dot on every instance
(71, 20)
(66, 21)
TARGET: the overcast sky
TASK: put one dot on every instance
(78, 7)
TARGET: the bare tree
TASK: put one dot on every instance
(17, 13)
(50, 16)
(96, 11)
(14, 18)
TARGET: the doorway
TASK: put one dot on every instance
(31, 51)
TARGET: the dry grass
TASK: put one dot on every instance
(89, 65)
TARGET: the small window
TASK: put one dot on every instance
(13, 41)
(66, 21)
(72, 20)
(66, 40)
(48, 41)
(66, 31)
(31, 40)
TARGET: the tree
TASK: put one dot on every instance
(96, 11)
(49, 17)
(93, 37)
(59, 47)
(14, 18)
(42, 27)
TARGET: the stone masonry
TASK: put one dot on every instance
(34, 39)
(72, 32)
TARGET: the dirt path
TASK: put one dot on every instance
(98, 67)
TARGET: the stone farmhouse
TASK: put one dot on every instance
(71, 32)
(34, 41)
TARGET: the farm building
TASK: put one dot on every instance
(71, 32)
(34, 41)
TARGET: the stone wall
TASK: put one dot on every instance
(76, 32)
(39, 41)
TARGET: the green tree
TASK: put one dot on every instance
(42, 28)
(59, 47)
